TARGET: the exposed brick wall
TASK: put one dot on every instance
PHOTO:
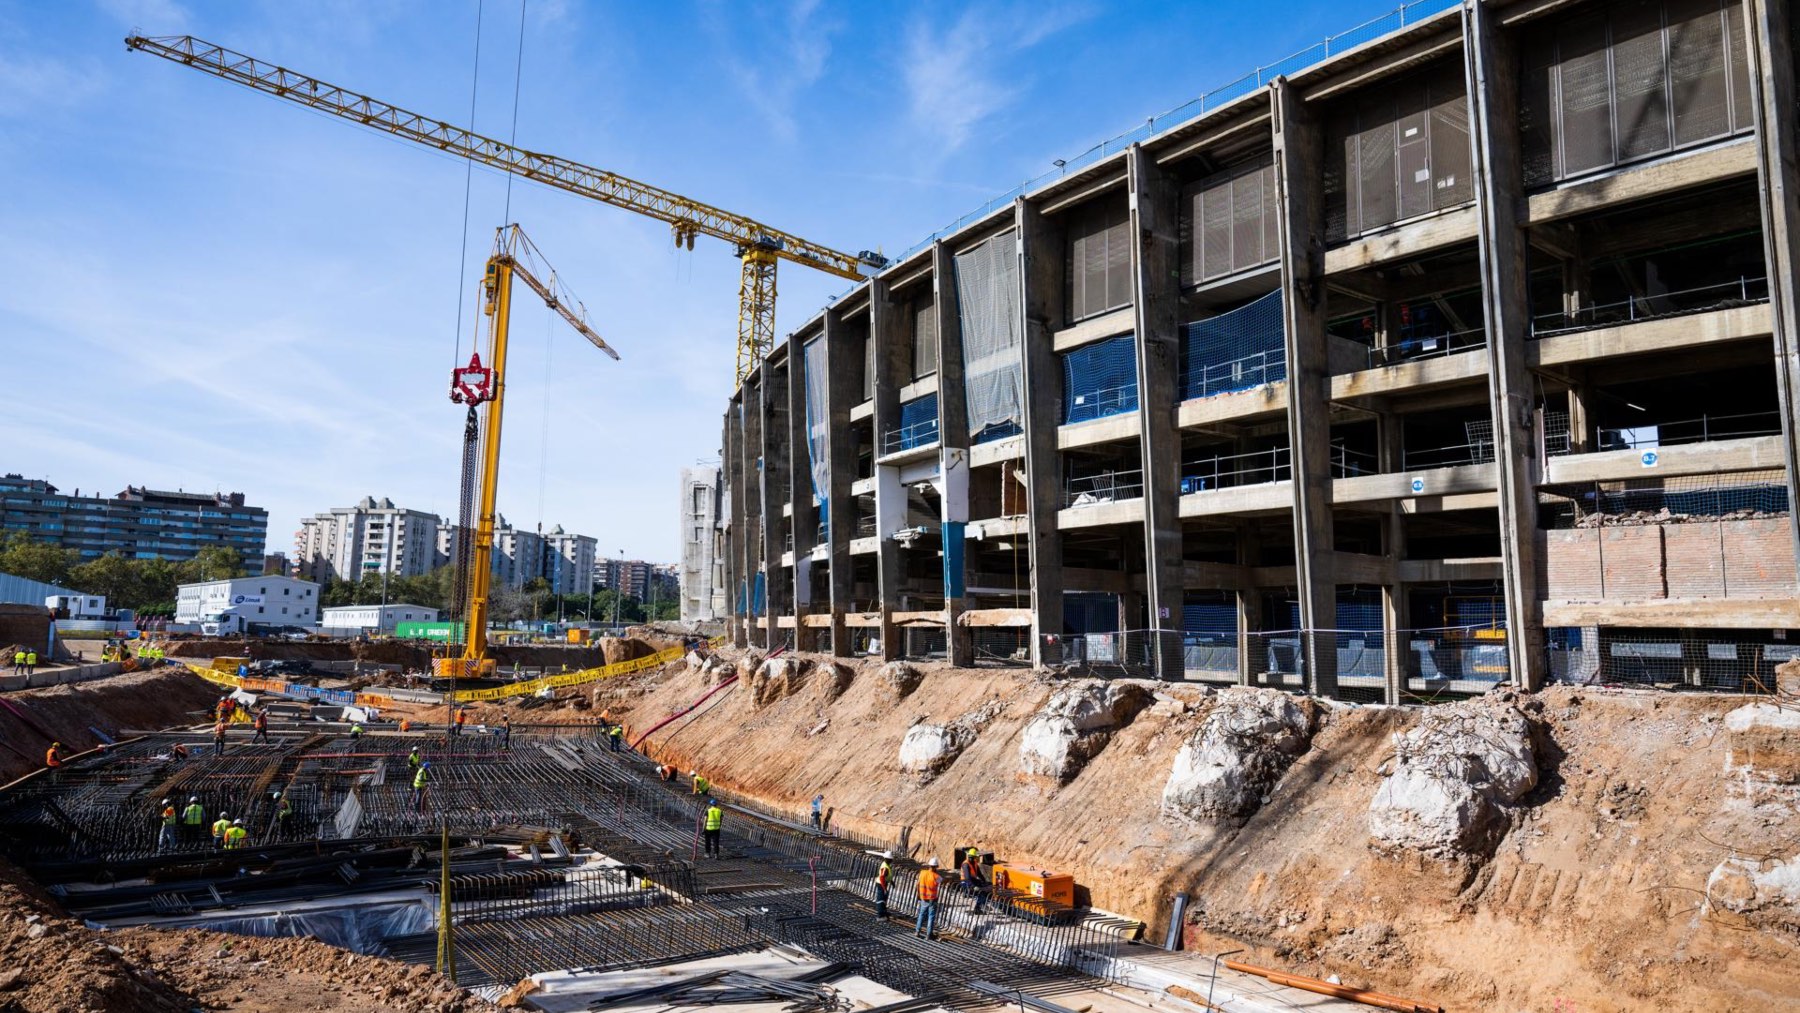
(1728, 559)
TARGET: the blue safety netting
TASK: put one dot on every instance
(1090, 612)
(918, 423)
(1234, 351)
(1100, 380)
(1209, 626)
(1358, 610)
(818, 423)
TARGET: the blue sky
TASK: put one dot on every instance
(206, 288)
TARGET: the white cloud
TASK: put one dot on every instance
(953, 73)
(31, 85)
(790, 46)
(155, 17)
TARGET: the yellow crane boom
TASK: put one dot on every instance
(481, 385)
(759, 247)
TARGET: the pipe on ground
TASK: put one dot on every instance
(1319, 986)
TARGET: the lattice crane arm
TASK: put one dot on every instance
(686, 216)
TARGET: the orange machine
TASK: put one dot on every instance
(1041, 894)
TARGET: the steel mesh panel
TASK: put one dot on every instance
(1450, 159)
(1537, 109)
(1377, 203)
(1737, 57)
(1698, 90)
(1234, 351)
(1215, 232)
(1585, 98)
(924, 337)
(1639, 80)
(1339, 169)
(987, 287)
(1413, 154)
(1246, 221)
(1100, 380)
(1099, 258)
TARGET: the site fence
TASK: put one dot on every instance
(1733, 661)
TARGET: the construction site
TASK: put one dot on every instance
(1329, 548)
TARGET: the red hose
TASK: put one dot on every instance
(689, 709)
(29, 720)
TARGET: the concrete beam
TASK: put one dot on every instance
(1040, 244)
(1731, 160)
(1411, 377)
(1440, 231)
(1459, 480)
(1492, 67)
(1709, 613)
(1667, 335)
(1266, 402)
(1299, 161)
(1010, 449)
(1268, 497)
(1772, 99)
(1111, 429)
(1719, 457)
(1100, 328)
(1099, 515)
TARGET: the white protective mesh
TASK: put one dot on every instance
(817, 421)
(987, 287)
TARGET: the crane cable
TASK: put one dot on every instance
(513, 138)
(462, 257)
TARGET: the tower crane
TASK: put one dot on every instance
(483, 386)
(759, 247)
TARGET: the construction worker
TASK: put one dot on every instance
(406, 724)
(701, 785)
(356, 730)
(284, 811)
(925, 925)
(420, 776)
(972, 879)
(414, 760)
(505, 733)
(262, 725)
(19, 662)
(884, 877)
(715, 819)
(53, 755)
(219, 737)
(30, 663)
(818, 812)
(220, 825)
(179, 751)
(617, 734)
(462, 716)
(235, 835)
(225, 705)
(193, 818)
(165, 835)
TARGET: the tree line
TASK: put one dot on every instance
(147, 586)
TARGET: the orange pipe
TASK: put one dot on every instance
(1319, 986)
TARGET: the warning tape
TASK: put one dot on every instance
(531, 686)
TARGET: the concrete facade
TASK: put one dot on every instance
(702, 565)
(568, 561)
(1459, 357)
(138, 523)
(373, 536)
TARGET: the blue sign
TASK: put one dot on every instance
(1649, 458)
(1418, 486)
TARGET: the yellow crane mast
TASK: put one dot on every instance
(759, 247)
(483, 386)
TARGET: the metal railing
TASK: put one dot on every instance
(1099, 404)
(1705, 298)
(1106, 487)
(865, 526)
(919, 434)
(1473, 452)
(1700, 430)
(1332, 45)
(1243, 373)
(1429, 347)
(1259, 467)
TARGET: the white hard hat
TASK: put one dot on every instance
(165, 801)
(237, 823)
(887, 854)
(693, 773)
(193, 798)
(932, 862)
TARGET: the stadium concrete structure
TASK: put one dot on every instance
(1465, 354)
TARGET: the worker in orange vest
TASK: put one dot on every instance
(925, 926)
(51, 756)
(462, 715)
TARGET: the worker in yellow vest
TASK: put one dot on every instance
(235, 835)
(19, 662)
(193, 818)
(701, 785)
(220, 825)
(715, 819)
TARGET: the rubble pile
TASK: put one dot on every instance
(1637, 518)
(1455, 780)
(1228, 766)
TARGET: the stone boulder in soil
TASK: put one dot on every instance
(1764, 893)
(1456, 779)
(835, 676)
(777, 679)
(616, 649)
(1231, 762)
(1075, 724)
(928, 749)
(902, 677)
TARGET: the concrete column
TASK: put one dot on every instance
(842, 393)
(1492, 66)
(892, 363)
(778, 467)
(1778, 171)
(736, 582)
(1581, 422)
(1396, 659)
(1251, 650)
(1299, 159)
(1040, 290)
(1156, 284)
(953, 453)
(756, 533)
(805, 521)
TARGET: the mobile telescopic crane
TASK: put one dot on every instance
(759, 247)
(483, 385)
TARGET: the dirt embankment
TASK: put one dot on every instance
(50, 963)
(170, 695)
(1603, 850)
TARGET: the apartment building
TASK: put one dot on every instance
(373, 536)
(568, 561)
(138, 523)
(701, 585)
(1457, 350)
